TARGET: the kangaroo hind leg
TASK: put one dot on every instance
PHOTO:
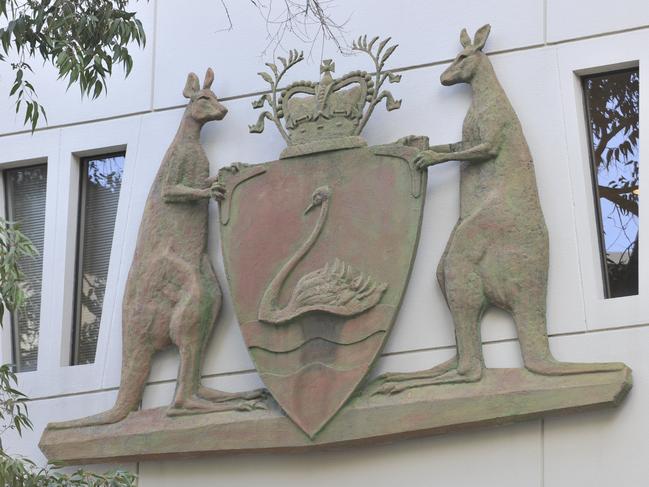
(466, 301)
(211, 298)
(532, 334)
(191, 322)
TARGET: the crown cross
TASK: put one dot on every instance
(331, 108)
(327, 66)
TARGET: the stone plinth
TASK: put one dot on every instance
(502, 396)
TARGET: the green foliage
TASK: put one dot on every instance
(14, 246)
(20, 471)
(13, 403)
(83, 39)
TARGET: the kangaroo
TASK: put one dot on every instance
(172, 295)
(498, 252)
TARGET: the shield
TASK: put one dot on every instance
(318, 250)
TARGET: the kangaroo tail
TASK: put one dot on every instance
(136, 365)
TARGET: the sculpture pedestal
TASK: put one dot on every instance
(502, 396)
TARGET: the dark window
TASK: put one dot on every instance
(25, 190)
(612, 102)
(101, 179)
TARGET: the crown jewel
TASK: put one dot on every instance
(331, 108)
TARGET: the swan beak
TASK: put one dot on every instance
(309, 208)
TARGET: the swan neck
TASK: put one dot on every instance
(272, 293)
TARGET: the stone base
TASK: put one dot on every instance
(502, 396)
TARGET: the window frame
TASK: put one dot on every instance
(23, 150)
(6, 211)
(595, 183)
(575, 60)
(80, 234)
(61, 148)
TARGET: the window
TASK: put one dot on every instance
(25, 203)
(612, 101)
(101, 179)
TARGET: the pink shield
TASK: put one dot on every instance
(318, 250)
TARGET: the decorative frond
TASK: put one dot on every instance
(258, 127)
(387, 54)
(259, 103)
(390, 102)
(273, 68)
(379, 56)
(267, 78)
(294, 57)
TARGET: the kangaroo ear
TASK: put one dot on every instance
(481, 36)
(209, 79)
(465, 40)
(191, 86)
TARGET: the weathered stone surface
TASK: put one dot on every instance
(318, 247)
(316, 292)
(172, 296)
(498, 252)
(502, 396)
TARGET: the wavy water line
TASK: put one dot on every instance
(313, 339)
(360, 354)
(313, 364)
(264, 335)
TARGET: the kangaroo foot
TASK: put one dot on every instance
(455, 376)
(215, 395)
(422, 374)
(554, 367)
(198, 405)
(392, 383)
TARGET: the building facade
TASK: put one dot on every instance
(79, 184)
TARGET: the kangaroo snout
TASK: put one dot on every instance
(448, 77)
(222, 112)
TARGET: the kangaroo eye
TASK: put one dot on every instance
(461, 57)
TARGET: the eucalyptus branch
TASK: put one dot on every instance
(308, 20)
(82, 39)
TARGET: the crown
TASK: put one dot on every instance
(331, 112)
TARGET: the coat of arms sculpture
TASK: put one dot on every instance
(318, 248)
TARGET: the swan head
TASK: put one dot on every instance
(320, 195)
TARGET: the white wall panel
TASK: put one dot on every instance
(489, 458)
(608, 447)
(599, 449)
(580, 18)
(195, 36)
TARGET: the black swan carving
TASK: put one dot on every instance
(336, 288)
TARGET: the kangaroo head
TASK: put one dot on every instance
(466, 63)
(203, 103)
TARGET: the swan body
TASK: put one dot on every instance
(336, 288)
